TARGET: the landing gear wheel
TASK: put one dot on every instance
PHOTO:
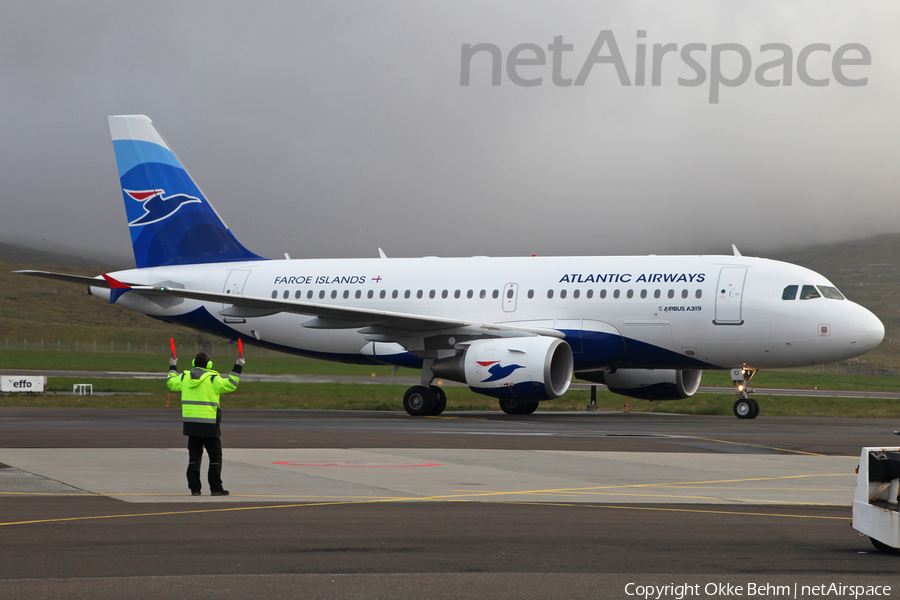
(529, 407)
(743, 408)
(882, 547)
(755, 408)
(440, 401)
(511, 406)
(419, 401)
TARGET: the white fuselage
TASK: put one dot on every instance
(671, 311)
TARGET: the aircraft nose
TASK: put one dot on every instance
(866, 331)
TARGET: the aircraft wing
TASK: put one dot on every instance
(381, 324)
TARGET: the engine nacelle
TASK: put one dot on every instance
(653, 384)
(531, 368)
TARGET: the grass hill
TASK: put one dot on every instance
(36, 310)
(867, 271)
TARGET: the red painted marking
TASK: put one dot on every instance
(487, 363)
(144, 195)
(376, 279)
(172, 341)
(115, 283)
(347, 463)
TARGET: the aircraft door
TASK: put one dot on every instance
(235, 282)
(235, 285)
(510, 291)
(729, 295)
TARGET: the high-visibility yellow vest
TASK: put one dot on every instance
(200, 390)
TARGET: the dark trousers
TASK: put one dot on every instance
(195, 455)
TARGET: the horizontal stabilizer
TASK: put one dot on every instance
(89, 281)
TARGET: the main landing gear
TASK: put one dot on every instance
(745, 407)
(425, 400)
(511, 406)
(422, 401)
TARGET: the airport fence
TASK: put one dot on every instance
(847, 367)
(127, 347)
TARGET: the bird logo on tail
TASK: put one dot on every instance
(158, 207)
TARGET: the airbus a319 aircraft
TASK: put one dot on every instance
(517, 329)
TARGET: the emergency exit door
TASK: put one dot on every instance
(729, 296)
(235, 285)
(510, 291)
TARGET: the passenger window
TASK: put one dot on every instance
(616, 294)
(630, 294)
(530, 294)
(431, 294)
(444, 294)
(602, 293)
(496, 294)
(509, 293)
(419, 295)
(456, 294)
(590, 294)
(382, 294)
(549, 293)
(790, 292)
(321, 294)
(684, 293)
(831, 293)
(358, 294)
(576, 293)
(469, 294)
(394, 294)
(482, 294)
(346, 294)
(657, 293)
(370, 294)
(698, 294)
(809, 292)
(406, 294)
(643, 293)
(274, 294)
(562, 293)
(297, 294)
(671, 293)
(309, 295)
(333, 294)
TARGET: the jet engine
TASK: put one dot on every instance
(653, 384)
(528, 368)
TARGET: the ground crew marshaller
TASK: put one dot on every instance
(200, 389)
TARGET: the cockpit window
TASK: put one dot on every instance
(790, 292)
(809, 292)
(831, 293)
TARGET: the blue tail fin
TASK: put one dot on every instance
(171, 221)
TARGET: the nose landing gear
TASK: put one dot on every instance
(745, 407)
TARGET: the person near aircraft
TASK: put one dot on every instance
(202, 416)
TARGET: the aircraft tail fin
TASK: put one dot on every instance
(170, 220)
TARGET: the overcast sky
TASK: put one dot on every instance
(328, 129)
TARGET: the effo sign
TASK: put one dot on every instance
(22, 383)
